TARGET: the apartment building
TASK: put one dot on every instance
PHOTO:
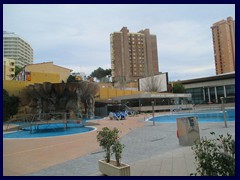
(223, 33)
(14, 47)
(133, 55)
(8, 69)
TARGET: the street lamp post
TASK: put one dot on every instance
(153, 113)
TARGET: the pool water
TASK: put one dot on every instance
(203, 117)
(49, 130)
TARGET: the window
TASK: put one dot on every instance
(230, 90)
(197, 95)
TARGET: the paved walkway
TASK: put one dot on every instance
(179, 162)
(150, 150)
(25, 156)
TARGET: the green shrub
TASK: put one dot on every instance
(215, 157)
(178, 88)
(10, 105)
(117, 149)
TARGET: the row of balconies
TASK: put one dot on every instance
(16, 55)
(17, 49)
(14, 40)
(18, 45)
(9, 42)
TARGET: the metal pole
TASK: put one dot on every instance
(224, 113)
(216, 97)
(153, 113)
(65, 121)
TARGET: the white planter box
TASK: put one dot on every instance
(111, 170)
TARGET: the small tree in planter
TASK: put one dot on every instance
(109, 141)
(107, 138)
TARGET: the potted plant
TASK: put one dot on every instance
(109, 140)
(117, 150)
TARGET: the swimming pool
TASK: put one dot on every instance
(49, 130)
(203, 117)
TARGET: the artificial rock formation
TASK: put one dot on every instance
(72, 98)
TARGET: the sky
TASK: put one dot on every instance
(77, 36)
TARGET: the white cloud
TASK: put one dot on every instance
(189, 73)
(183, 37)
(86, 69)
(78, 34)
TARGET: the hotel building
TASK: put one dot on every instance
(133, 55)
(14, 47)
(223, 33)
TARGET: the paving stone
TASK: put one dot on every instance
(151, 150)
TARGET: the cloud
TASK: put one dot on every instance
(79, 34)
(190, 73)
(86, 69)
(187, 38)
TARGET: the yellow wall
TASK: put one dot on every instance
(50, 67)
(15, 87)
(37, 77)
(108, 93)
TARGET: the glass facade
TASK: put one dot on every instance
(197, 95)
(220, 93)
(213, 94)
(230, 93)
(207, 98)
(157, 101)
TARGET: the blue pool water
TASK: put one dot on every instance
(203, 117)
(49, 130)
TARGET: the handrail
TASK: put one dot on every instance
(30, 120)
(129, 109)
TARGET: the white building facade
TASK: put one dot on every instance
(14, 47)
